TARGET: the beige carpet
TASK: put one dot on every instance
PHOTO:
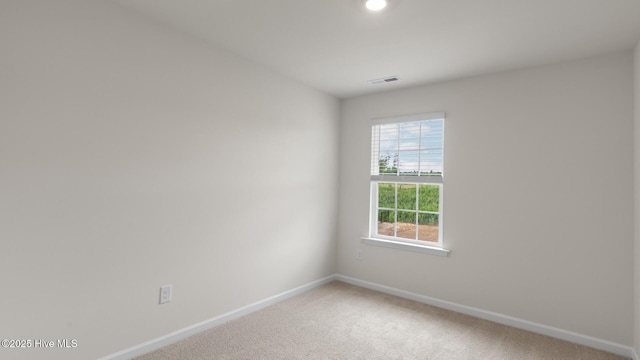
(340, 321)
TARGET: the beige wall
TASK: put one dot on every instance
(637, 200)
(132, 157)
(538, 216)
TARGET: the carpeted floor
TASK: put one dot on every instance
(341, 321)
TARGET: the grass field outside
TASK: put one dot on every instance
(413, 208)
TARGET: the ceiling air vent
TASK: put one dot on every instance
(383, 80)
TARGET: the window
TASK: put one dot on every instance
(407, 179)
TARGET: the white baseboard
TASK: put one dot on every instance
(184, 333)
(550, 331)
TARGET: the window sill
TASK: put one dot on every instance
(405, 246)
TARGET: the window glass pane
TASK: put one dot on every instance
(431, 154)
(429, 198)
(388, 132)
(409, 135)
(388, 163)
(406, 225)
(387, 195)
(407, 196)
(386, 222)
(432, 134)
(388, 138)
(388, 149)
(428, 226)
(431, 162)
(408, 162)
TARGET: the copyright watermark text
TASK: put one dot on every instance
(39, 343)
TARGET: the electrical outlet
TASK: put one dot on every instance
(165, 294)
(359, 255)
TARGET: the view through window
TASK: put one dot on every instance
(407, 178)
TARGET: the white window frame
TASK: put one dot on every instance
(391, 241)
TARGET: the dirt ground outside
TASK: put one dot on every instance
(408, 231)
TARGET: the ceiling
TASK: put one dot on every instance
(337, 46)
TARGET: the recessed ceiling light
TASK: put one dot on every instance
(375, 5)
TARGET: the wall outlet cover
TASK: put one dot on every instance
(165, 294)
